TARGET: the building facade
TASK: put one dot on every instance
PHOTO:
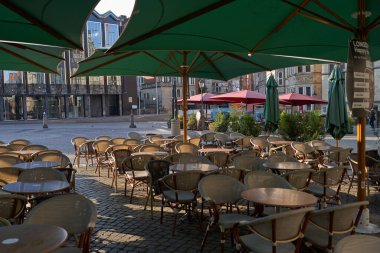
(28, 95)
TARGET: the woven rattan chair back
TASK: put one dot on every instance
(41, 174)
(8, 175)
(12, 207)
(281, 157)
(299, 179)
(103, 137)
(35, 147)
(9, 161)
(5, 149)
(20, 141)
(265, 179)
(195, 141)
(221, 139)
(136, 136)
(220, 159)
(16, 146)
(62, 159)
(150, 148)
(248, 163)
(187, 148)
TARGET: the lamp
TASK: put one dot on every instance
(201, 84)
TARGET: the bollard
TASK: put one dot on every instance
(44, 120)
(132, 125)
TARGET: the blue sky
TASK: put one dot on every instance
(119, 7)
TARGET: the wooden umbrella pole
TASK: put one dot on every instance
(361, 159)
(184, 105)
(337, 142)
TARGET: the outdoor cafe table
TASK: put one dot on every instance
(279, 166)
(38, 187)
(215, 150)
(25, 154)
(31, 238)
(278, 197)
(358, 244)
(207, 168)
(35, 164)
(160, 154)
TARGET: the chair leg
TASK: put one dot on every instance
(133, 187)
(174, 223)
(147, 199)
(210, 223)
(222, 240)
(162, 210)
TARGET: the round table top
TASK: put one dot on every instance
(279, 197)
(286, 165)
(36, 164)
(358, 244)
(32, 238)
(194, 167)
(212, 150)
(327, 148)
(154, 153)
(36, 187)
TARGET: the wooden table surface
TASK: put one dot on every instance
(279, 197)
(286, 165)
(31, 238)
(212, 150)
(36, 164)
(194, 167)
(36, 187)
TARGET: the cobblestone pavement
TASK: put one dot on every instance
(125, 227)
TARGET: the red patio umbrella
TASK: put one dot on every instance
(296, 99)
(243, 96)
(203, 98)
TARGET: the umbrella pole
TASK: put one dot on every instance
(336, 142)
(184, 105)
(361, 159)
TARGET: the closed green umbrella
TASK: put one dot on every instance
(271, 111)
(336, 119)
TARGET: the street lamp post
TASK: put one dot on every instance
(201, 86)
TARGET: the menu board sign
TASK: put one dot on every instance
(359, 79)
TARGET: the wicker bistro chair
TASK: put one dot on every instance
(117, 140)
(102, 160)
(35, 147)
(306, 154)
(273, 233)
(208, 138)
(73, 212)
(248, 163)
(118, 156)
(217, 197)
(261, 145)
(41, 174)
(135, 172)
(49, 151)
(12, 207)
(136, 136)
(16, 146)
(337, 158)
(244, 143)
(77, 142)
(223, 140)
(281, 157)
(103, 137)
(11, 153)
(196, 141)
(150, 148)
(4, 222)
(220, 159)
(187, 148)
(299, 179)
(9, 161)
(157, 169)
(329, 225)
(323, 180)
(62, 159)
(132, 143)
(5, 149)
(20, 141)
(234, 136)
(179, 192)
(186, 158)
(8, 175)
(70, 176)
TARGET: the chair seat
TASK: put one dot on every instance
(319, 238)
(259, 245)
(139, 174)
(227, 220)
(317, 190)
(182, 196)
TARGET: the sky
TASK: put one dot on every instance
(119, 7)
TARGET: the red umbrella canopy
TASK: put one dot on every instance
(296, 99)
(204, 98)
(243, 96)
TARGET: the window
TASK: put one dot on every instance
(308, 91)
(191, 81)
(75, 57)
(140, 80)
(114, 80)
(280, 78)
(192, 93)
(34, 78)
(178, 93)
(99, 80)
(58, 79)
(94, 36)
(299, 69)
(12, 76)
(308, 68)
(300, 90)
(111, 34)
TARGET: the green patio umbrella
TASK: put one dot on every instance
(337, 119)
(271, 110)
(46, 22)
(25, 57)
(202, 64)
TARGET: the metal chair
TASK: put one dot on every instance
(79, 152)
(187, 148)
(12, 207)
(9, 175)
(299, 179)
(35, 147)
(118, 155)
(102, 159)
